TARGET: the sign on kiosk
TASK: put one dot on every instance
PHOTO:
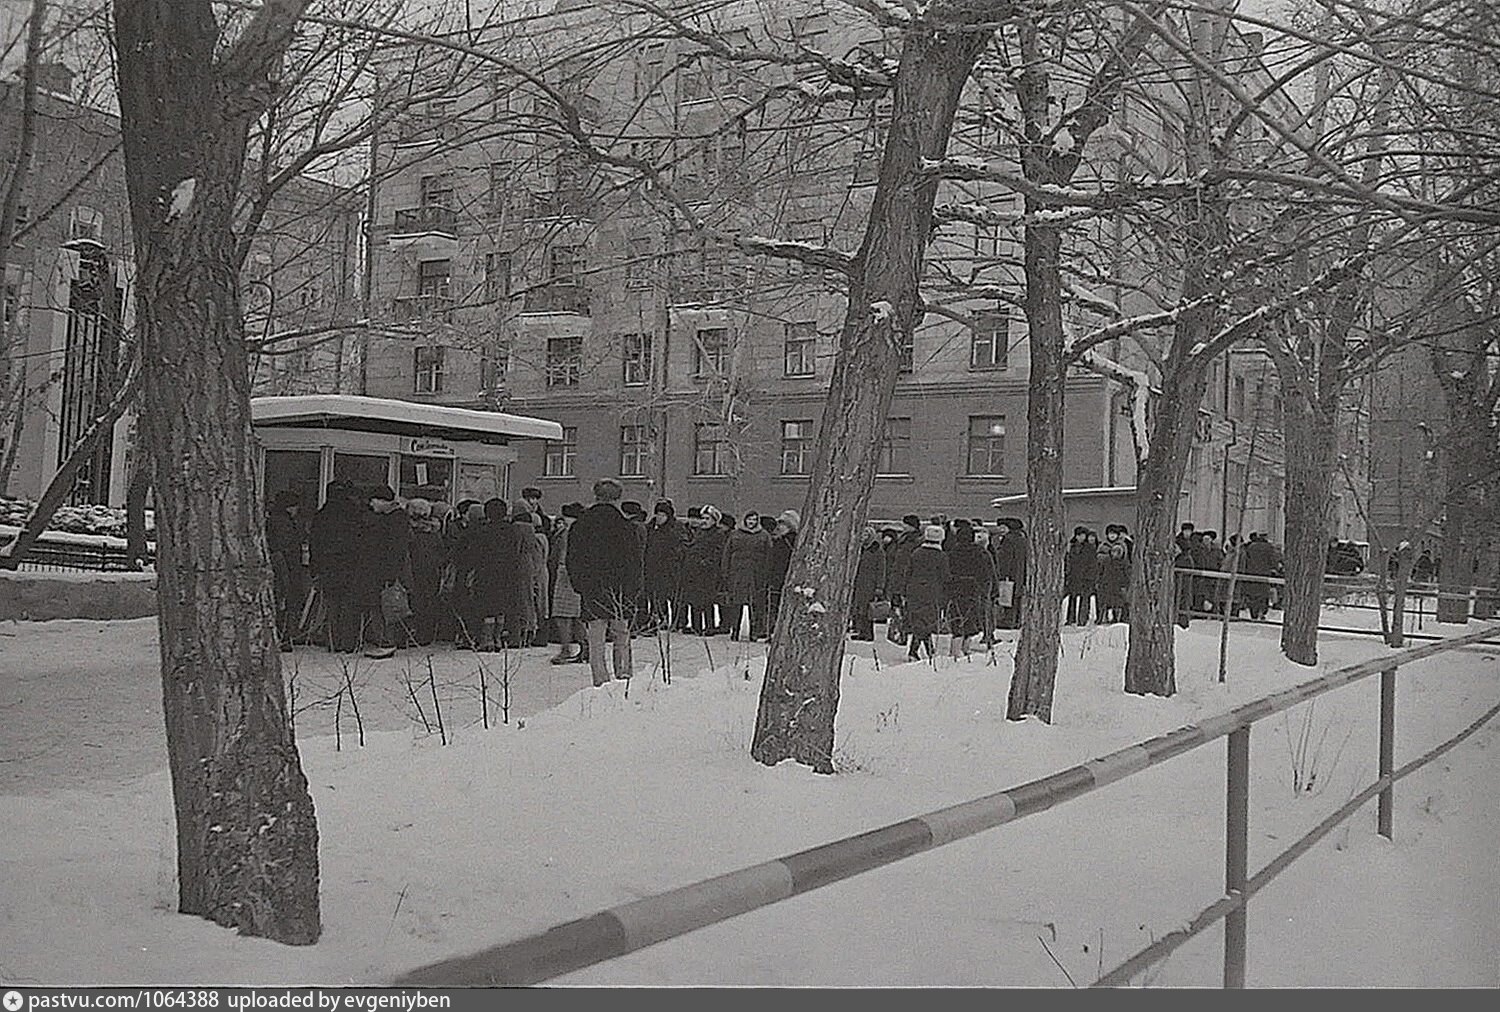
(430, 447)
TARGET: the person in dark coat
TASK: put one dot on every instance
(284, 541)
(1257, 560)
(666, 540)
(869, 584)
(782, 545)
(968, 591)
(747, 556)
(384, 559)
(640, 609)
(496, 574)
(531, 612)
(567, 606)
(1080, 577)
(1114, 575)
(428, 556)
(1185, 586)
(531, 499)
(702, 570)
(1209, 557)
(331, 553)
(605, 563)
(1010, 564)
(926, 588)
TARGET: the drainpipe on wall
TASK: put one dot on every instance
(367, 283)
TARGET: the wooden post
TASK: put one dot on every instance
(1387, 749)
(1236, 847)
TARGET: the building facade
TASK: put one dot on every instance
(688, 369)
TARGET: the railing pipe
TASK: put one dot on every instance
(1236, 853)
(1387, 749)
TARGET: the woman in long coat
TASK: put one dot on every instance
(567, 605)
(1080, 575)
(702, 570)
(970, 576)
(926, 588)
(747, 553)
(497, 583)
(533, 605)
(869, 583)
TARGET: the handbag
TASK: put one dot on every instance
(893, 631)
(1005, 593)
(395, 604)
(880, 611)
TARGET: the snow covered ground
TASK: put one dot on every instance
(592, 797)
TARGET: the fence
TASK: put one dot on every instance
(623, 929)
(67, 557)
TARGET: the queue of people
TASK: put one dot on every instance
(389, 573)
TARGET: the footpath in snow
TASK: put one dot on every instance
(589, 798)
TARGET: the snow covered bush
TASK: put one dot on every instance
(89, 519)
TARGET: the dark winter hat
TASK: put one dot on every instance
(767, 523)
(665, 508)
(695, 512)
(382, 492)
(572, 510)
(631, 508)
(1080, 530)
(495, 509)
(727, 520)
(962, 525)
(531, 492)
(913, 521)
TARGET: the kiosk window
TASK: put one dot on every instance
(479, 481)
(297, 470)
(362, 468)
(428, 478)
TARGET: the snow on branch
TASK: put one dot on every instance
(1089, 300)
(808, 253)
(1246, 324)
(1139, 386)
(1122, 194)
(978, 214)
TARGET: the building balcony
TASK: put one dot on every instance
(418, 308)
(441, 220)
(571, 299)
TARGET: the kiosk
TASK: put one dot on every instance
(429, 451)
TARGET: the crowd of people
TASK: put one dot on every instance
(372, 572)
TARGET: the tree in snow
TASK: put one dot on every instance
(190, 90)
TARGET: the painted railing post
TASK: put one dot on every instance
(1236, 846)
(1387, 749)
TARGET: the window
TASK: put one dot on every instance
(637, 360)
(710, 351)
(693, 83)
(796, 447)
(560, 458)
(800, 354)
(86, 223)
(496, 277)
(986, 445)
(1238, 406)
(429, 371)
(989, 342)
(565, 264)
(634, 449)
(987, 241)
(895, 447)
(494, 366)
(564, 361)
(23, 215)
(724, 157)
(648, 72)
(710, 449)
(638, 262)
(502, 175)
(437, 191)
(10, 302)
(434, 277)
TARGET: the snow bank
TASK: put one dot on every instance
(617, 793)
(36, 597)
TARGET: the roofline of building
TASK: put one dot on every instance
(332, 409)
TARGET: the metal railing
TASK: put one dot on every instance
(428, 218)
(62, 557)
(629, 927)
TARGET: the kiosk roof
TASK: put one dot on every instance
(408, 418)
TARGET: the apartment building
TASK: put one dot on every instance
(539, 282)
(66, 336)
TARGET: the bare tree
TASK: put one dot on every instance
(190, 91)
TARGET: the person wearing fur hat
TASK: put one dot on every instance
(747, 552)
(899, 562)
(1113, 575)
(780, 561)
(702, 572)
(666, 539)
(926, 588)
(427, 558)
(566, 604)
(1010, 565)
(384, 559)
(1080, 577)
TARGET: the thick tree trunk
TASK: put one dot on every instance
(1311, 443)
(247, 839)
(1151, 659)
(799, 699)
(1035, 675)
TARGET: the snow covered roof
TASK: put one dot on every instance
(1070, 493)
(378, 414)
